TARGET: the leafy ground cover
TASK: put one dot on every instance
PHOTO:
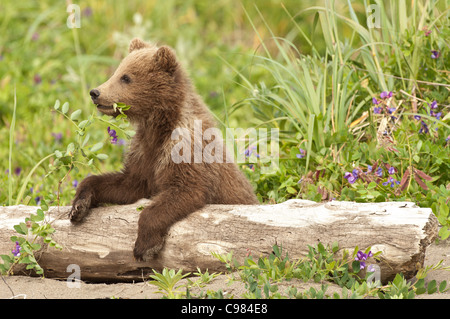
(278, 276)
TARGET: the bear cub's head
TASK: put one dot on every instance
(148, 79)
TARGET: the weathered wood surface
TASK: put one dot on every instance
(102, 245)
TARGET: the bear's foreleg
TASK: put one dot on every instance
(168, 207)
(112, 188)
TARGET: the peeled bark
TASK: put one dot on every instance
(102, 245)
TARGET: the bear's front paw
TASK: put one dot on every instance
(80, 208)
(147, 249)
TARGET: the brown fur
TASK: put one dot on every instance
(162, 99)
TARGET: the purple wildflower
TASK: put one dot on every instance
(362, 257)
(392, 170)
(249, 151)
(435, 54)
(385, 94)
(417, 117)
(392, 182)
(351, 177)
(87, 12)
(379, 172)
(113, 135)
(377, 110)
(423, 128)
(433, 105)
(302, 153)
(16, 250)
(375, 101)
(438, 115)
(38, 200)
(75, 184)
(17, 171)
(57, 136)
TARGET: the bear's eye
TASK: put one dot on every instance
(125, 79)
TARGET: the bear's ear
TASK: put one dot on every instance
(137, 44)
(166, 60)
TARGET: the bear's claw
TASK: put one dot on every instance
(147, 250)
(80, 208)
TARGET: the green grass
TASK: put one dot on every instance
(44, 60)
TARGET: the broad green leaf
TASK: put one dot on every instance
(7, 259)
(70, 149)
(420, 283)
(442, 286)
(335, 247)
(96, 147)
(372, 185)
(397, 280)
(102, 156)
(443, 209)
(421, 290)
(356, 265)
(75, 115)
(21, 228)
(291, 190)
(444, 233)
(82, 124)
(35, 246)
(57, 104)
(86, 139)
(65, 108)
(432, 287)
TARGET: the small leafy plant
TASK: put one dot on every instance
(277, 276)
(167, 283)
(67, 158)
(34, 231)
(441, 208)
(36, 227)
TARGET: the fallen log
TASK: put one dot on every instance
(102, 245)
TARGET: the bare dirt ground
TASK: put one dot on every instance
(43, 288)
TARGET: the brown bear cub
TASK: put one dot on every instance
(162, 99)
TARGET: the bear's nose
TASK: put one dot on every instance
(94, 94)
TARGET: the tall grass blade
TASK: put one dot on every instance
(11, 142)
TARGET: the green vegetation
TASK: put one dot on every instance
(277, 277)
(359, 91)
